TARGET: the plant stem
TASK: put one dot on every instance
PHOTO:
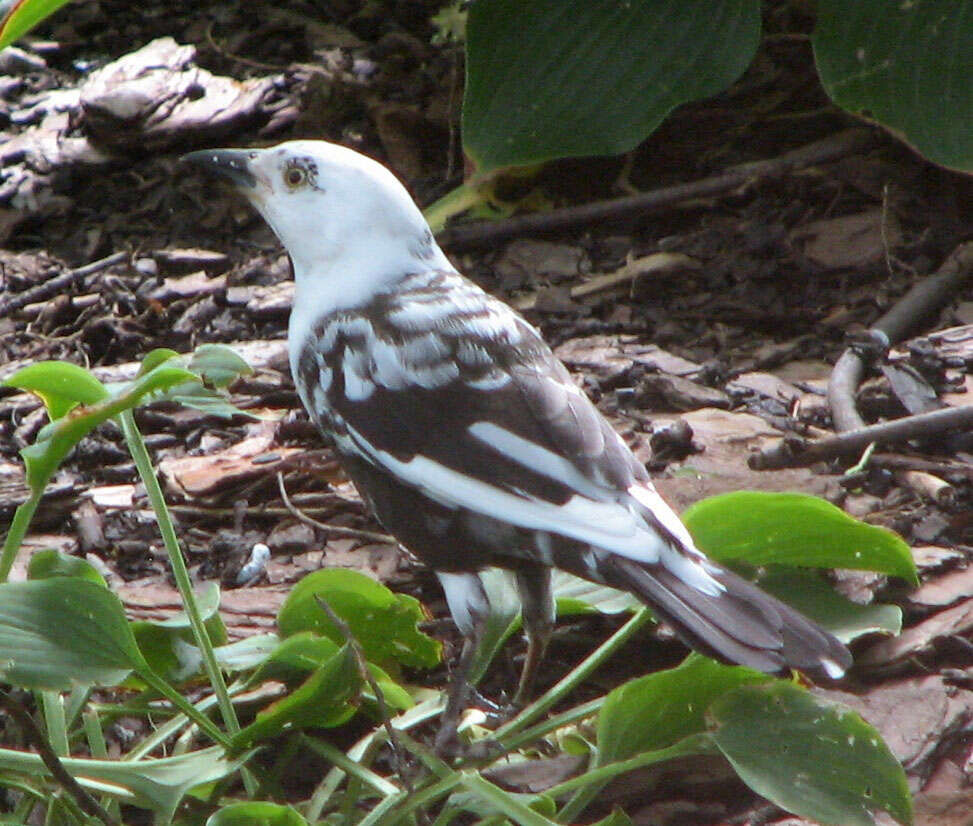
(452, 203)
(18, 530)
(594, 781)
(137, 448)
(576, 676)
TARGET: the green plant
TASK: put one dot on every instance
(62, 631)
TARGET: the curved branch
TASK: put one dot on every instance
(924, 298)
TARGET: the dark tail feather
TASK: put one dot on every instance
(741, 624)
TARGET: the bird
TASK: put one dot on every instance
(468, 439)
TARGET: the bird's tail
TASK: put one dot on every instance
(735, 622)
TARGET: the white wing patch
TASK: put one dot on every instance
(607, 525)
(538, 459)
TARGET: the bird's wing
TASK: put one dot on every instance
(463, 400)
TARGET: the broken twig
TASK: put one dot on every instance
(795, 451)
(57, 284)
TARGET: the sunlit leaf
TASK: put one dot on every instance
(17, 17)
(294, 658)
(813, 758)
(384, 623)
(794, 529)
(61, 385)
(154, 358)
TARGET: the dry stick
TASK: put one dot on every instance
(925, 297)
(85, 801)
(56, 284)
(793, 451)
(485, 232)
(337, 530)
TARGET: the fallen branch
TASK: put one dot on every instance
(795, 451)
(486, 232)
(57, 284)
(917, 304)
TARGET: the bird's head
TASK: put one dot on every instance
(346, 220)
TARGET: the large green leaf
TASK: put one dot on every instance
(657, 711)
(63, 631)
(813, 758)
(550, 79)
(794, 529)
(382, 621)
(907, 65)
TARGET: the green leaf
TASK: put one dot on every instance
(502, 621)
(50, 563)
(325, 699)
(394, 695)
(204, 399)
(152, 784)
(794, 529)
(61, 385)
(60, 632)
(549, 79)
(813, 758)
(814, 598)
(154, 358)
(906, 65)
(578, 596)
(256, 813)
(247, 653)
(168, 654)
(618, 817)
(657, 711)
(294, 658)
(384, 623)
(218, 364)
(169, 646)
(22, 15)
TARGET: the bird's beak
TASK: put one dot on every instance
(233, 164)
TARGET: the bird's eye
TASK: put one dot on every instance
(294, 176)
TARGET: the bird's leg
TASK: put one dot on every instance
(470, 607)
(537, 609)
